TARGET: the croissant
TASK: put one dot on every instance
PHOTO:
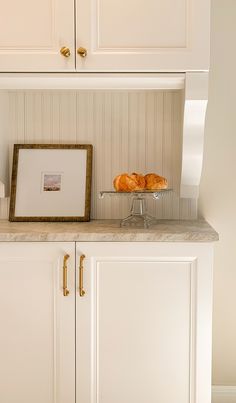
(140, 180)
(129, 183)
(155, 182)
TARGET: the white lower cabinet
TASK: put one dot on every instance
(134, 328)
(144, 323)
(37, 336)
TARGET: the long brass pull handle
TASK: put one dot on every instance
(65, 289)
(81, 276)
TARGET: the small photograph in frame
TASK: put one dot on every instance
(51, 182)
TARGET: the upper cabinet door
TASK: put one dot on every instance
(32, 34)
(138, 35)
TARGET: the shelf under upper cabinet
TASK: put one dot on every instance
(95, 81)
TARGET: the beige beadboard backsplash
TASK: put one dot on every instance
(131, 131)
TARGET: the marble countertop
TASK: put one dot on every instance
(108, 231)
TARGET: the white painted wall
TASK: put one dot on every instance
(218, 187)
(224, 394)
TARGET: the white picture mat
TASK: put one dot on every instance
(32, 201)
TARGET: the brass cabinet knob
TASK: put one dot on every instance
(82, 52)
(65, 51)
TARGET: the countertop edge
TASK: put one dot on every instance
(108, 231)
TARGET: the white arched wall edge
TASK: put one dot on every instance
(196, 97)
(4, 141)
(4, 162)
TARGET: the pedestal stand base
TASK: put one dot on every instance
(138, 216)
(143, 221)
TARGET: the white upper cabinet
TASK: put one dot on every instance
(136, 35)
(150, 35)
(32, 34)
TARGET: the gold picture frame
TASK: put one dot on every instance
(51, 182)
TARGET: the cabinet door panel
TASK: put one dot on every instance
(153, 24)
(32, 34)
(37, 334)
(135, 326)
(151, 35)
(143, 331)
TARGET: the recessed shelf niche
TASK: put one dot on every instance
(131, 131)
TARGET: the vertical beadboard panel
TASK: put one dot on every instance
(124, 147)
(4, 208)
(99, 163)
(16, 125)
(167, 160)
(131, 131)
(116, 146)
(154, 142)
(177, 117)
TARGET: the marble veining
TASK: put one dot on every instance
(108, 231)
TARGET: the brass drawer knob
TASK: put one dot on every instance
(65, 51)
(82, 52)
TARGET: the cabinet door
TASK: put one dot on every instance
(150, 35)
(136, 326)
(32, 33)
(37, 338)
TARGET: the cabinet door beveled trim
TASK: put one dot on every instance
(95, 317)
(98, 48)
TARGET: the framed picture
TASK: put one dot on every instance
(51, 182)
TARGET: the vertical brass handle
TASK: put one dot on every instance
(81, 276)
(65, 289)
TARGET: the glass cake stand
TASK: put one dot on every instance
(138, 212)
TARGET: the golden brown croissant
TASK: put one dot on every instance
(129, 183)
(155, 182)
(140, 180)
